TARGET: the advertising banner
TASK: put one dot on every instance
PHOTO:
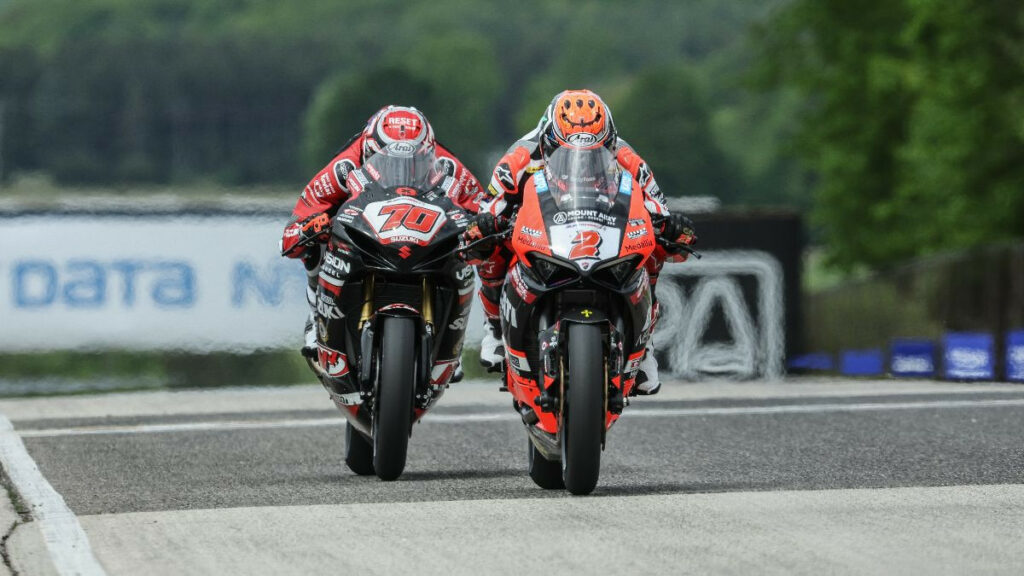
(195, 283)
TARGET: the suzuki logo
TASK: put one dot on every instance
(404, 252)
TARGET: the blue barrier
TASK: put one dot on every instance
(968, 356)
(861, 362)
(912, 358)
(1015, 356)
(812, 363)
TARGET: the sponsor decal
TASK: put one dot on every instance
(334, 363)
(584, 214)
(351, 211)
(404, 219)
(336, 266)
(540, 182)
(401, 149)
(530, 231)
(515, 278)
(445, 166)
(326, 307)
(518, 362)
(371, 171)
(464, 273)
(458, 324)
(638, 222)
(625, 184)
(342, 168)
(643, 175)
(634, 234)
(405, 191)
(508, 311)
(581, 139)
(504, 175)
(292, 231)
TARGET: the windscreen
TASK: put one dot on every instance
(401, 164)
(583, 179)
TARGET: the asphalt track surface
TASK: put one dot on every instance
(805, 476)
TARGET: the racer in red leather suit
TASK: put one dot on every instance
(572, 115)
(338, 181)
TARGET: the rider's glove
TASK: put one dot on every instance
(314, 229)
(485, 226)
(678, 229)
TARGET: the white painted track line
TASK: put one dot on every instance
(66, 541)
(227, 425)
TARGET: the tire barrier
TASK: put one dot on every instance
(912, 359)
(968, 356)
(861, 363)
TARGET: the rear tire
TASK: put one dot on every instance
(392, 420)
(358, 452)
(544, 472)
(583, 413)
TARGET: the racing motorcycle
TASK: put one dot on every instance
(402, 308)
(576, 310)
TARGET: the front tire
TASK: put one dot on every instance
(358, 452)
(544, 472)
(392, 419)
(583, 414)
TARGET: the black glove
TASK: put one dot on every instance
(679, 229)
(304, 233)
(485, 226)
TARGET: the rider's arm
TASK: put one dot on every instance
(654, 200)
(324, 193)
(677, 226)
(466, 192)
(504, 192)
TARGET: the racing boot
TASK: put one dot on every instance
(458, 375)
(647, 381)
(309, 338)
(492, 349)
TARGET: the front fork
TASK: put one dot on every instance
(552, 346)
(367, 323)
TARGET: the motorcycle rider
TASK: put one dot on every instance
(305, 235)
(575, 118)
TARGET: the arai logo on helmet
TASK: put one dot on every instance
(401, 149)
(581, 139)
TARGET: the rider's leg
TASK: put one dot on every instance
(647, 379)
(312, 264)
(449, 356)
(492, 278)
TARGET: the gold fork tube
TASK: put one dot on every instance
(428, 302)
(367, 301)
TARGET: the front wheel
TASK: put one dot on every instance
(392, 419)
(583, 413)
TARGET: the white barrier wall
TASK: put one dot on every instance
(193, 283)
(204, 283)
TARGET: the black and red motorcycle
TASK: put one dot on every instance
(392, 304)
(576, 310)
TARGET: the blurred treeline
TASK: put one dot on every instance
(900, 123)
(254, 91)
(913, 123)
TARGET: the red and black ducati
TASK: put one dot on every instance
(576, 310)
(392, 303)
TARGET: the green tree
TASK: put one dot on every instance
(665, 118)
(912, 124)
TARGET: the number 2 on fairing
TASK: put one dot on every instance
(585, 245)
